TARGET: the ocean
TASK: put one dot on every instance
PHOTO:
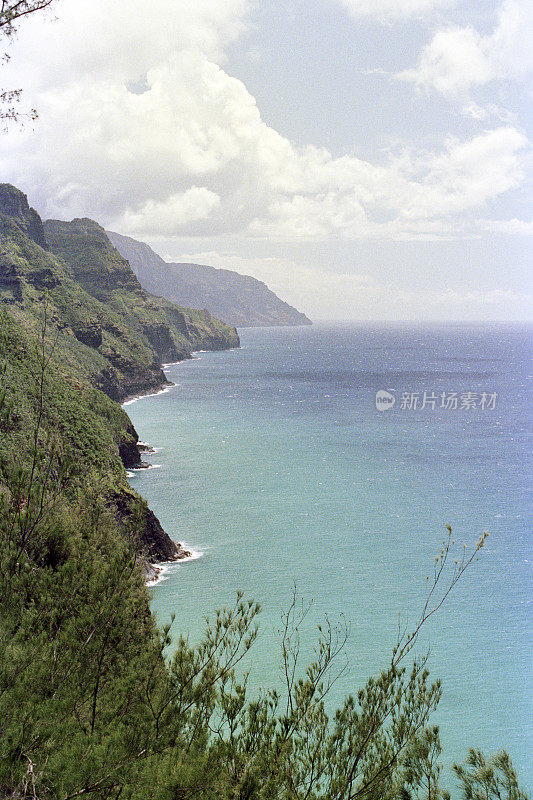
(282, 469)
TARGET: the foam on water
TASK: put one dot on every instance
(133, 400)
(165, 569)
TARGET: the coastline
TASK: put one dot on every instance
(157, 572)
(162, 570)
(166, 387)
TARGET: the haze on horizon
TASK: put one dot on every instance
(367, 159)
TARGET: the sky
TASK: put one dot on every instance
(367, 159)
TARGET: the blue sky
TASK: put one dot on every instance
(368, 159)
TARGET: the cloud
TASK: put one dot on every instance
(459, 58)
(426, 195)
(467, 175)
(123, 40)
(166, 218)
(487, 112)
(392, 9)
(140, 128)
(515, 226)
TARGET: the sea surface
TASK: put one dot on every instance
(274, 463)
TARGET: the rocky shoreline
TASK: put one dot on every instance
(110, 341)
(158, 548)
(153, 572)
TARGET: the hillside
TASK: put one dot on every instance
(129, 327)
(241, 300)
(78, 333)
(95, 700)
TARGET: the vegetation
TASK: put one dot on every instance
(114, 334)
(11, 12)
(92, 707)
(91, 704)
(239, 299)
(82, 313)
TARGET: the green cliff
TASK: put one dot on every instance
(71, 303)
(93, 703)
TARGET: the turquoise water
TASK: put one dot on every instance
(274, 463)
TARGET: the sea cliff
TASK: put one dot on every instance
(79, 335)
(239, 299)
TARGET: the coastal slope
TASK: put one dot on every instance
(241, 300)
(78, 335)
(131, 328)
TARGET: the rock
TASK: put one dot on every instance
(141, 522)
(14, 203)
(151, 572)
(160, 337)
(10, 284)
(237, 299)
(143, 447)
(90, 334)
(43, 279)
(128, 449)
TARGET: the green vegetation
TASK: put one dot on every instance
(239, 299)
(11, 12)
(82, 313)
(91, 705)
(114, 334)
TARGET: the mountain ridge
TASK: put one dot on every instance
(240, 300)
(78, 335)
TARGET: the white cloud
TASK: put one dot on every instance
(487, 112)
(165, 218)
(391, 9)
(426, 194)
(123, 40)
(515, 226)
(467, 175)
(458, 59)
(148, 134)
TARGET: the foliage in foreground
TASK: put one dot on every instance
(91, 707)
(11, 11)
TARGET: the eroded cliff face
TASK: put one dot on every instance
(135, 516)
(94, 297)
(133, 330)
(105, 339)
(128, 447)
(94, 262)
(13, 203)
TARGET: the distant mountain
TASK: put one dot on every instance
(239, 300)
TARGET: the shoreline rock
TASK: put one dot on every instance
(144, 390)
(154, 544)
(144, 447)
(152, 570)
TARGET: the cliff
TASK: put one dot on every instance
(133, 330)
(241, 300)
(77, 334)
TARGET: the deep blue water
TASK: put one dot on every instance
(276, 464)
